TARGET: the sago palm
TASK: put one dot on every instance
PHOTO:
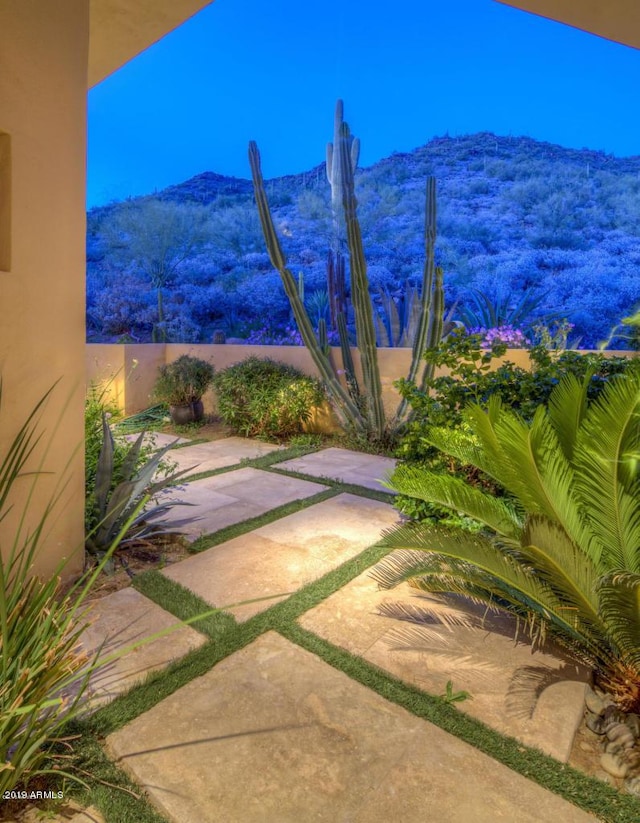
(562, 547)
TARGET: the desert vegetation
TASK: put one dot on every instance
(517, 218)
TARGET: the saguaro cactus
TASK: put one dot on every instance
(361, 410)
(335, 171)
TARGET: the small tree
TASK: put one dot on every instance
(159, 237)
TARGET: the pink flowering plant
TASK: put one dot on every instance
(507, 335)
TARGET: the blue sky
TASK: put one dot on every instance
(409, 70)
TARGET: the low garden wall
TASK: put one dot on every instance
(128, 371)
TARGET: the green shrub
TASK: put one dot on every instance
(184, 381)
(472, 379)
(264, 398)
(561, 550)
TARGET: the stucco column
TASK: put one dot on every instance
(43, 91)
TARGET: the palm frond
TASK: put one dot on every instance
(486, 567)
(619, 595)
(470, 449)
(528, 683)
(567, 408)
(454, 493)
(573, 570)
(562, 565)
(610, 429)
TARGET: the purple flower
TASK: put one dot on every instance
(512, 338)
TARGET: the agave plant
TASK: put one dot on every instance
(503, 308)
(118, 504)
(562, 547)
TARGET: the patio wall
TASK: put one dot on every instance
(129, 371)
(43, 93)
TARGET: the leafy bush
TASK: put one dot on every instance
(562, 549)
(184, 381)
(473, 377)
(264, 398)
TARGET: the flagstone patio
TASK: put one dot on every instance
(272, 732)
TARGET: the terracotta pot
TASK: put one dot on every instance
(190, 413)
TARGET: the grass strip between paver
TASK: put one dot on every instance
(207, 541)
(226, 636)
(346, 488)
(265, 461)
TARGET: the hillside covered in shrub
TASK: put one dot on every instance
(516, 217)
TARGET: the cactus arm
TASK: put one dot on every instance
(429, 328)
(345, 406)
(323, 340)
(394, 323)
(355, 153)
(268, 230)
(329, 161)
(436, 323)
(428, 278)
(332, 288)
(335, 170)
(411, 316)
(365, 330)
(347, 360)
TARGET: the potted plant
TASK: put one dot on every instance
(181, 384)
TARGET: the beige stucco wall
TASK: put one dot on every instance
(126, 373)
(43, 83)
(617, 20)
(133, 393)
(121, 29)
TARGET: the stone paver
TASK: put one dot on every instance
(481, 660)
(345, 465)
(273, 734)
(284, 555)
(121, 619)
(218, 454)
(232, 497)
